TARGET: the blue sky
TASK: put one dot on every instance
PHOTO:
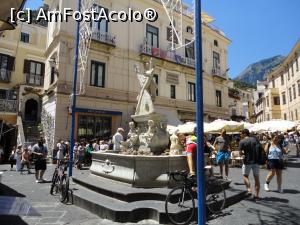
(258, 28)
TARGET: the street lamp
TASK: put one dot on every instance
(5, 13)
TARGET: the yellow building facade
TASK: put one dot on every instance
(284, 88)
(21, 78)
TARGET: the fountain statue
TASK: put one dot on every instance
(154, 138)
(142, 161)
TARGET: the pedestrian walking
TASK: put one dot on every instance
(40, 154)
(275, 163)
(222, 145)
(19, 152)
(25, 161)
(252, 151)
(297, 138)
(12, 158)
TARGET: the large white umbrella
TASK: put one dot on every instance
(218, 125)
(5, 13)
(273, 126)
(248, 125)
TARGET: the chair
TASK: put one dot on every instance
(236, 158)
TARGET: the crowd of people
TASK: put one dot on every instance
(256, 150)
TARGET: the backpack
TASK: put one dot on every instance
(261, 154)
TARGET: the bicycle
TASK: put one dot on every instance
(180, 202)
(60, 181)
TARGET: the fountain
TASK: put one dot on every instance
(143, 161)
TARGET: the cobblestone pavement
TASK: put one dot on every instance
(274, 208)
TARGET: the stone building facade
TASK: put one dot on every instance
(111, 83)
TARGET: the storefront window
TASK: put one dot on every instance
(90, 127)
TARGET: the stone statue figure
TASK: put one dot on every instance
(176, 147)
(148, 90)
(133, 136)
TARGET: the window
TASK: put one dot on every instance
(25, 37)
(155, 78)
(294, 91)
(267, 98)
(216, 43)
(97, 74)
(218, 98)
(191, 92)
(290, 94)
(299, 89)
(283, 98)
(94, 127)
(268, 116)
(6, 66)
(260, 95)
(152, 36)
(216, 60)
(102, 24)
(276, 100)
(285, 117)
(292, 69)
(34, 72)
(273, 83)
(292, 115)
(189, 30)
(296, 114)
(170, 34)
(233, 112)
(297, 65)
(173, 91)
(282, 79)
(52, 75)
(189, 49)
(288, 72)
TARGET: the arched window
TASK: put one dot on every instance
(189, 30)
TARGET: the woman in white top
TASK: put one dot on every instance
(19, 153)
(275, 164)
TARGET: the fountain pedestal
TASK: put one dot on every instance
(137, 170)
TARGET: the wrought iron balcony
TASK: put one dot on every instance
(216, 72)
(166, 55)
(104, 37)
(8, 105)
(5, 76)
(34, 80)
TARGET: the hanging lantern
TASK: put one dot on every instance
(5, 13)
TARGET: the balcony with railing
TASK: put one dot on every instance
(104, 37)
(34, 80)
(8, 105)
(218, 73)
(5, 76)
(166, 55)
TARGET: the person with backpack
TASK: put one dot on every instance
(252, 150)
(275, 162)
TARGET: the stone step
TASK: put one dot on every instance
(120, 202)
(119, 190)
(119, 211)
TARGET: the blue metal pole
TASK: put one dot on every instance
(74, 95)
(199, 116)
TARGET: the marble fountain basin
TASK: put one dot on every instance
(137, 170)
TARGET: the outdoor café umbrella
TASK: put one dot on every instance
(273, 126)
(218, 125)
(5, 13)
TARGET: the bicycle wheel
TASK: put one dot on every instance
(180, 205)
(215, 196)
(63, 188)
(54, 181)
